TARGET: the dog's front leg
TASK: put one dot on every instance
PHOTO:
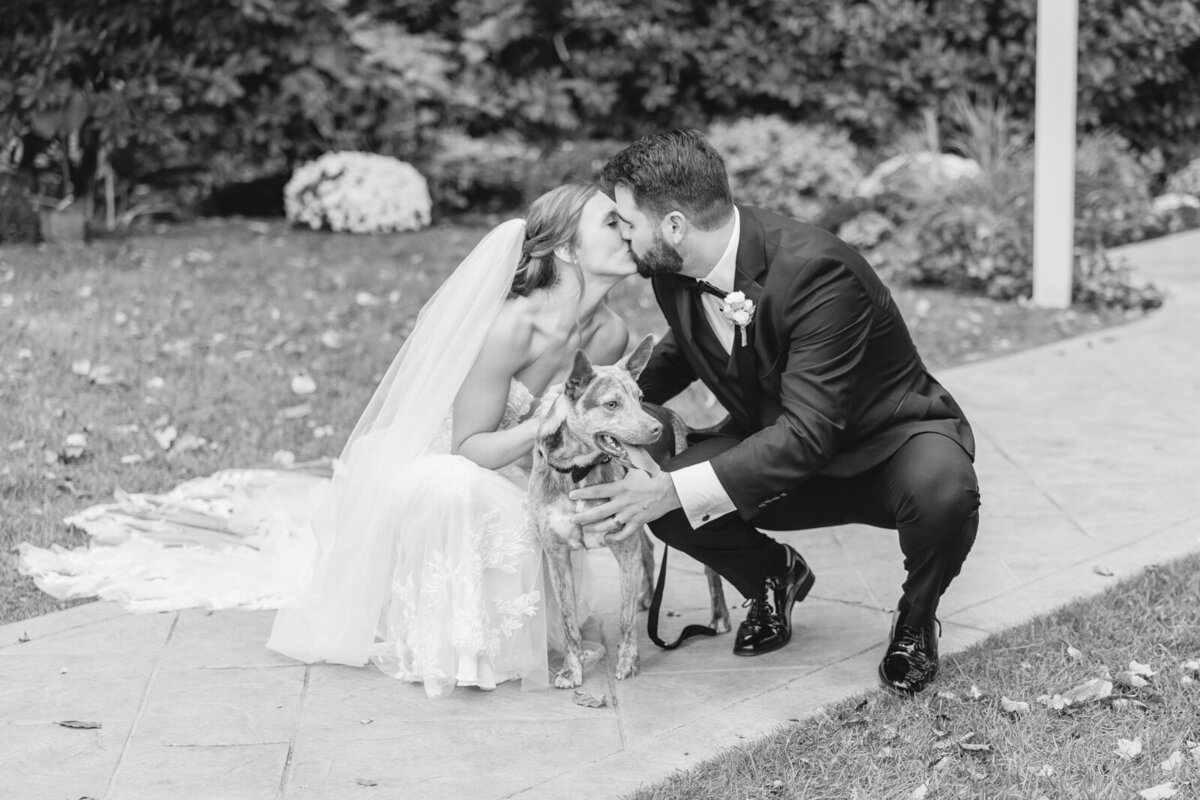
(562, 580)
(629, 560)
(647, 569)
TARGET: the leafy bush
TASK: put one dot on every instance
(1112, 191)
(797, 170)
(482, 174)
(18, 218)
(568, 162)
(359, 193)
(1186, 180)
(976, 234)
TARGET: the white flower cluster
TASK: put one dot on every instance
(359, 193)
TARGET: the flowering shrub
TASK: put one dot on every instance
(796, 170)
(359, 193)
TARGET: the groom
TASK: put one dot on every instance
(833, 418)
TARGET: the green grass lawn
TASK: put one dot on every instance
(200, 332)
(959, 741)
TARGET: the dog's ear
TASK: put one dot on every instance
(635, 362)
(581, 375)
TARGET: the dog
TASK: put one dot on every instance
(593, 431)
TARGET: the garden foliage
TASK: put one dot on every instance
(252, 85)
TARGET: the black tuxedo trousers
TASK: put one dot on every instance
(926, 491)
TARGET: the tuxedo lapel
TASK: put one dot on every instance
(751, 268)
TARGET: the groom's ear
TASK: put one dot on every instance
(674, 226)
(635, 362)
(581, 375)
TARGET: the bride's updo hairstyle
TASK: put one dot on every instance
(552, 221)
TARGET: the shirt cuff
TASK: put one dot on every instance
(701, 494)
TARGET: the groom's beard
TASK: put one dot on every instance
(660, 259)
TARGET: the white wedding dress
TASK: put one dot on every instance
(463, 604)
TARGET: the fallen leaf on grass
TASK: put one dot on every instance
(303, 384)
(81, 366)
(188, 442)
(297, 411)
(1075, 654)
(1046, 771)
(1104, 571)
(586, 700)
(919, 792)
(366, 781)
(1173, 761)
(1130, 679)
(366, 299)
(74, 448)
(1128, 704)
(1013, 706)
(1160, 792)
(1141, 670)
(1095, 689)
(165, 436)
(283, 458)
(1129, 748)
(133, 458)
(332, 339)
(74, 723)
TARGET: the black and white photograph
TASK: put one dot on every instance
(614, 399)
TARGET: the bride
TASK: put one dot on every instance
(416, 554)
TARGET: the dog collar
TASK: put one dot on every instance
(581, 472)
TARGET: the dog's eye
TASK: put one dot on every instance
(612, 405)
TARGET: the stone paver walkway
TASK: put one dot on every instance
(1089, 452)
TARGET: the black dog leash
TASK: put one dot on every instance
(656, 605)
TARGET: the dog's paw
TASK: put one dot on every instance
(627, 664)
(720, 623)
(571, 674)
(566, 679)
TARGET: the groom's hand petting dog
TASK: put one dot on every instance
(596, 431)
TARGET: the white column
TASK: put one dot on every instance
(1054, 152)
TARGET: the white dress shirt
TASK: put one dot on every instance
(700, 491)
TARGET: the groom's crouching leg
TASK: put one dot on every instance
(937, 521)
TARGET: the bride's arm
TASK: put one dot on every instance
(483, 398)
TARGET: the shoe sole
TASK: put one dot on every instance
(801, 591)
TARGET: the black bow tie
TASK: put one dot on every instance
(703, 287)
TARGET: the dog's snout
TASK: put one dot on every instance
(656, 430)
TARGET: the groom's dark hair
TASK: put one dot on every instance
(674, 170)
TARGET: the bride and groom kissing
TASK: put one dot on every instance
(418, 554)
(425, 564)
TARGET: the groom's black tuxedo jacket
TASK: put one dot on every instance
(839, 384)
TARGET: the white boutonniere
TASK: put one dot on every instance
(738, 309)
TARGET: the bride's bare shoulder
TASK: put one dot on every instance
(610, 338)
(512, 331)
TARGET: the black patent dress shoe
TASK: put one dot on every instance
(768, 623)
(911, 661)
